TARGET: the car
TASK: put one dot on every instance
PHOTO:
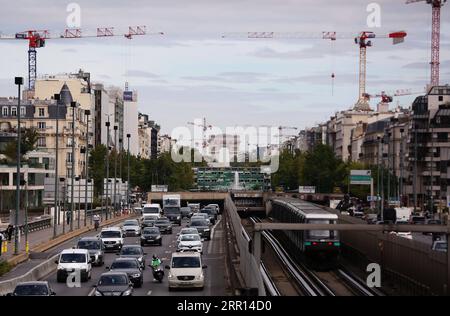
(212, 214)
(202, 226)
(407, 235)
(186, 212)
(114, 284)
(32, 288)
(147, 223)
(112, 238)
(434, 222)
(151, 236)
(440, 245)
(132, 267)
(131, 228)
(195, 207)
(187, 231)
(95, 247)
(358, 214)
(190, 242)
(164, 225)
(133, 251)
(201, 215)
(71, 261)
(417, 220)
(215, 206)
(186, 271)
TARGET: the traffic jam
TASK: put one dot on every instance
(160, 251)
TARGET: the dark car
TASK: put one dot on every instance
(33, 288)
(151, 236)
(95, 247)
(148, 223)
(114, 284)
(432, 222)
(202, 226)
(164, 225)
(133, 251)
(417, 220)
(212, 213)
(131, 267)
(186, 212)
(173, 214)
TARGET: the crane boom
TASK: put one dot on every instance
(37, 39)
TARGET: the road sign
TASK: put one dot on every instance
(393, 201)
(373, 198)
(160, 188)
(361, 177)
(361, 173)
(306, 189)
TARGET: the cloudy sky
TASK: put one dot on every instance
(192, 72)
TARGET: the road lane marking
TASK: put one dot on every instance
(91, 293)
(149, 293)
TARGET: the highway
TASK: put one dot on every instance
(213, 257)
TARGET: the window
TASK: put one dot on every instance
(69, 157)
(41, 112)
(41, 142)
(5, 111)
(13, 111)
(41, 125)
(22, 111)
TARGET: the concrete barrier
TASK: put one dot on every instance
(34, 274)
(63, 238)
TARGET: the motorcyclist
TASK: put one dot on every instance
(156, 262)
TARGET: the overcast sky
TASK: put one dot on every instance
(192, 72)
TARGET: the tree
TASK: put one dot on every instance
(97, 165)
(322, 169)
(28, 142)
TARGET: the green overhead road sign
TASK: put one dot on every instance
(361, 177)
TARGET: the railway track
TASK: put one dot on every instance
(332, 283)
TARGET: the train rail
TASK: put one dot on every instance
(309, 281)
(309, 284)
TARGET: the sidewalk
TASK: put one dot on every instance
(39, 237)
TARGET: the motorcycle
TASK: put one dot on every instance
(158, 273)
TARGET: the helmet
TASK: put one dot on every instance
(154, 257)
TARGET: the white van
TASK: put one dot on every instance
(72, 260)
(151, 211)
(186, 271)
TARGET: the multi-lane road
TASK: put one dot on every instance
(213, 256)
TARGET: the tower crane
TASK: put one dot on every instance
(281, 128)
(363, 40)
(37, 39)
(435, 37)
(204, 127)
(387, 97)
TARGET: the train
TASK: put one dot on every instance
(317, 244)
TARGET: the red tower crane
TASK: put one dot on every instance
(388, 97)
(435, 37)
(363, 39)
(37, 39)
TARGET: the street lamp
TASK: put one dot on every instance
(107, 124)
(400, 184)
(19, 82)
(78, 178)
(86, 166)
(62, 180)
(115, 169)
(57, 98)
(73, 105)
(128, 171)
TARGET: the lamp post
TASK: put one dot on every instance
(107, 165)
(415, 169)
(378, 174)
(400, 184)
(86, 166)
(115, 170)
(64, 207)
(19, 82)
(128, 172)
(72, 175)
(77, 179)
(389, 165)
(57, 98)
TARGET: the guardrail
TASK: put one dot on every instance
(248, 265)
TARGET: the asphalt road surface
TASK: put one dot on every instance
(213, 256)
